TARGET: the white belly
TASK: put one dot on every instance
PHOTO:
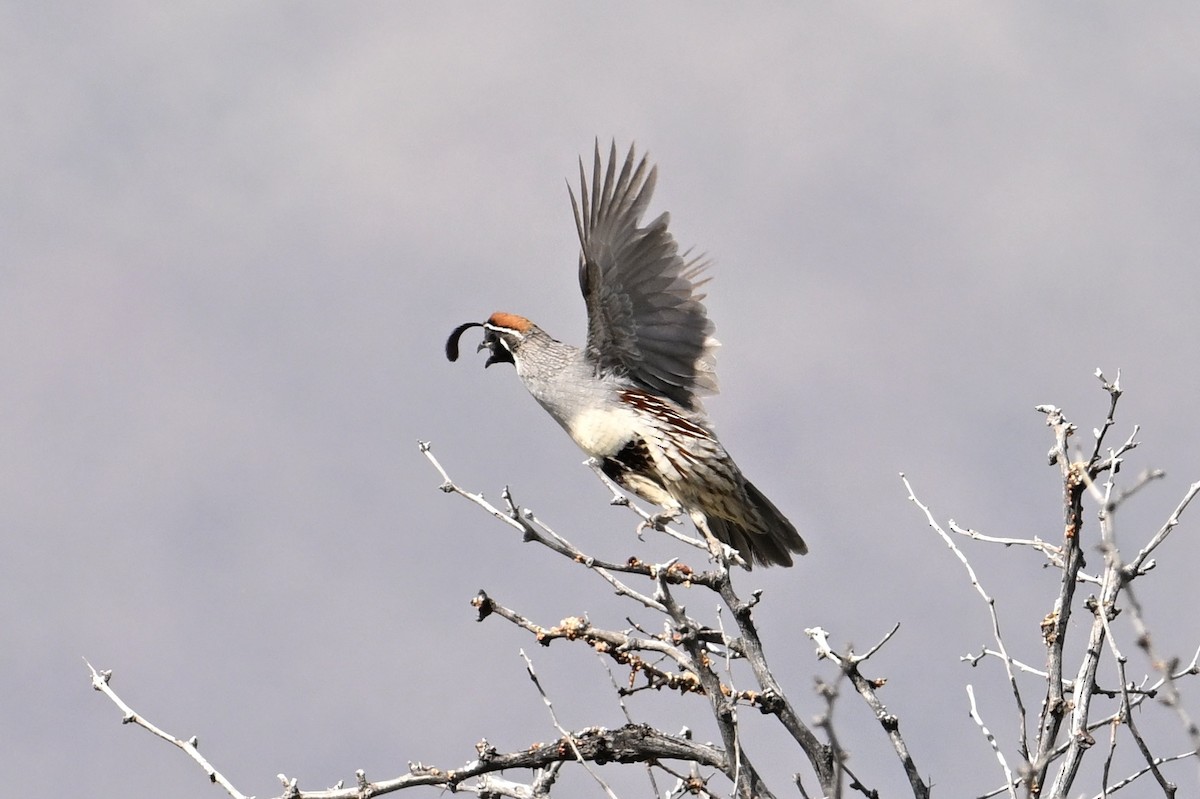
(601, 433)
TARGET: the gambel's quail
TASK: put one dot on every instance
(630, 397)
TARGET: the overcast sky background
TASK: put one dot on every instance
(233, 239)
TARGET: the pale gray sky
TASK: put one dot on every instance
(234, 238)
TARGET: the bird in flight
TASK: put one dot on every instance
(630, 398)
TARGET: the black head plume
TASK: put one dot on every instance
(452, 342)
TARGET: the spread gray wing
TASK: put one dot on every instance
(645, 317)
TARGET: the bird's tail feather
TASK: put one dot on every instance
(772, 546)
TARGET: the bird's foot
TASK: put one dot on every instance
(724, 554)
(659, 521)
(718, 550)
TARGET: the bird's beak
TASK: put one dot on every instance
(500, 353)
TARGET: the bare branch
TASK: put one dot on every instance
(1138, 564)
(100, 682)
(1158, 761)
(848, 664)
(1056, 624)
(773, 699)
(629, 744)
(566, 736)
(449, 487)
(1126, 714)
(533, 529)
(1022, 744)
(741, 770)
(1144, 479)
(1114, 394)
(621, 647)
(991, 739)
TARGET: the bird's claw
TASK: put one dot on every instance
(724, 554)
(659, 521)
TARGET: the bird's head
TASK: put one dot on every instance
(503, 334)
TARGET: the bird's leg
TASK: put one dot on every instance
(656, 521)
(719, 551)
